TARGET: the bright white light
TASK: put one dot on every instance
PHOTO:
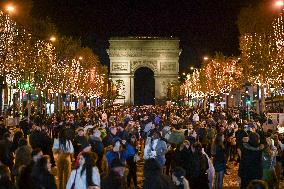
(279, 3)
(205, 58)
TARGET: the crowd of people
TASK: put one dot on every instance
(181, 147)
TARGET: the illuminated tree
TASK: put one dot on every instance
(261, 45)
(218, 75)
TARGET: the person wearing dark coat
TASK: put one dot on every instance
(97, 146)
(154, 179)
(251, 160)
(25, 127)
(69, 130)
(198, 178)
(24, 180)
(80, 141)
(16, 138)
(5, 178)
(3, 128)
(36, 138)
(6, 153)
(41, 175)
(178, 157)
(22, 157)
(116, 178)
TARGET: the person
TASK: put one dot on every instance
(219, 160)
(24, 125)
(153, 177)
(86, 175)
(24, 180)
(156, 148)
(22, 157)
(117, 152)
(116, 176)
(41, 175)
(250, 167)
(97, 146)
(18, 134)
(6, 154)
(131, 158)
(269, 162)
(63, 148)
(198, 178)
(257, 184)
(5, 178)
(36, 138)
(80, 141)
(178, 177)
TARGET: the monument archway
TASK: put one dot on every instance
(144, 86)
(128, 54)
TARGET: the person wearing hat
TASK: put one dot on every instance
(178, 177)
(116, 177)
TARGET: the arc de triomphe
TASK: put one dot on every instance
(127, 54)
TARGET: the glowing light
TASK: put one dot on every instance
(52, 39)
(279, 3)
(10, 8)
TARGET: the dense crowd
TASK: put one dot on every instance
(181, 147)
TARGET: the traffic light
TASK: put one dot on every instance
(26, 85)
(248, 102)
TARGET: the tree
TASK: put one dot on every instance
(260, 48)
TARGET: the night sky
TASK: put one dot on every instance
(203, 26)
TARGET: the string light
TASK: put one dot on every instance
(25, 59)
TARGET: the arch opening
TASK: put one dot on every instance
(144, 86)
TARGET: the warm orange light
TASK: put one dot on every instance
(205, 58)
(10, 8)
(192, 68)
(52, 38)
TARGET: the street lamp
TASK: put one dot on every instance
(10, 9)
(183, 73)
(52, 39)
(205, 58)
(80, 58)
(191, 68)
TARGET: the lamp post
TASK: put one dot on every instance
(272, 90)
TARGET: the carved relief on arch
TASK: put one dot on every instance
(151, 64)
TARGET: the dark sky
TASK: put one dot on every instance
(203, 26)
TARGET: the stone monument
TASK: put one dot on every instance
(127, 54)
